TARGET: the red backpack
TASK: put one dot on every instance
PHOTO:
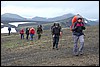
(22, 31)
(32, 31)
(74, 19)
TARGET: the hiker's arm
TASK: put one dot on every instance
(83, 26)
(74, 27)
(52, 31)
(42, 30)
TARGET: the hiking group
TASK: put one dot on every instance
(76, 28)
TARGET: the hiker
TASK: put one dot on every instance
(56, 33)
(77, 31)
(27, 33)
(9, 29)
(39, 31)
(31, 32)
(22, 33)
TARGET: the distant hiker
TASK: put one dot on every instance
(39, 31)
(9, 29)
(27, 33)
(31, 32)
(56, 33)
(22, 33)
(77, 31)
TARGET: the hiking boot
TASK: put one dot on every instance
(53, 48)
(76, 55)
(81, 53)
(56, 48)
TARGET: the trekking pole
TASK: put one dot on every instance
(60, 42)
(51, 38)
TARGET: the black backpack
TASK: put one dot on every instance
(56, 30)
(39, 30)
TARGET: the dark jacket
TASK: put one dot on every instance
(27, 31)
(78, 28)
(9, 28)
(39, 30)
(56, 31)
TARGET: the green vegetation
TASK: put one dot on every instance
(40, 52)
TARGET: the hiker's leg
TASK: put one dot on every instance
(30, 36)
(57, 40)
(26, 36)
(75, 48)
(9, 33)
(54, 41)
(21, 36)
(39, 36)
(81, 38)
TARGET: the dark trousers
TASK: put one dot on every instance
(39, 36)
(22, 36)
(27, 35)
(9, 33)
(55, 41)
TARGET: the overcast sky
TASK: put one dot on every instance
(50, 9)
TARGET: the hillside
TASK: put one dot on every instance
(64, 20)
(9, 17)
(17, 52)
(54, 18)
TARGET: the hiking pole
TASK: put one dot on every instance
(51, 38)
(60, 39)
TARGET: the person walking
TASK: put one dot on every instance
(9, 29)
(22, 33)
(39, 31)
(27, 33)
(77, 32)
(32, 33)
(56, 33)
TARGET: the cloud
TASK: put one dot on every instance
(32, 12)
(50, 9)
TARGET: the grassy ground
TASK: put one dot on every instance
(17, 52)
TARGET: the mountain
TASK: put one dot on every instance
(7, 17)
(93, 23)
(64, 20)
(12, 16)
(53, 19)
(65, 16)
(39, 19)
